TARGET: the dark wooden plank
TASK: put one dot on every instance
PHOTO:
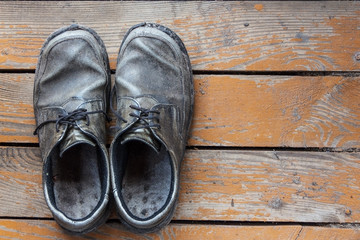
(268, 35)
(32, 229)
(222, 185)
(262, 111)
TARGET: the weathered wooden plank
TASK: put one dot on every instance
(222, 185)
(36, 229)
(268, 111)
(329, 233)
(268, 35)
(277, 111)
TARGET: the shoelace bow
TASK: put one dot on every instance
(142, 117)
(71, 118)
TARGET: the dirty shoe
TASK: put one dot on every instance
(154, 96)
(71, 89)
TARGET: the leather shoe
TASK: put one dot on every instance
(154, 97)
(71, 91)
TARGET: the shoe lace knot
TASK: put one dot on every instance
(145, 118)
(71, 118)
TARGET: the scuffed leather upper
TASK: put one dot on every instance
(72, 73)
(154, 72)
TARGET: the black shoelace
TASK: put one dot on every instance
(142, 118)
(71, 118)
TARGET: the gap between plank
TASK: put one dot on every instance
(260, 223)
(279, 73)
(231, 72)
(275, 149)
(221, 223)
(217, 148)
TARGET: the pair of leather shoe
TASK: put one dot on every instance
(154, 105)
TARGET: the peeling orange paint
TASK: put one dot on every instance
(19, 229)
(345, 33)
(259, 7)
(329, 233)
(246, 111)
(218, 42)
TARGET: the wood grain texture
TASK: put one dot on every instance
(277, 111)
(47, 229)
(222, 185)
(261, 111)
(259, 36)
(328, 233)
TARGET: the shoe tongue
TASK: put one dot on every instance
(74, 137)
(144, 135)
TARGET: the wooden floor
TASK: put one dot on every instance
(274, 147)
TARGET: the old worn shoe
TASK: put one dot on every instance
(70, 97)
(154, 89)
